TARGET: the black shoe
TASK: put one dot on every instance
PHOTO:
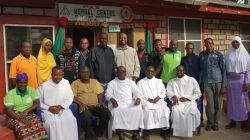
(121, 136)
(166, 134)
(231, 125)
(135, 137)
(161, 133)
(215, 127)
(197, 132)
(145, 135)
(208, 128)
(243, 126)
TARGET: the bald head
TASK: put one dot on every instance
(173, 45)
(150, 73)
(121, 73)
(26, 49)
(103, 39)
(122, 35)
(180, 71)
(84, 73)
(103, 35)
(57, 74)
(84, 68)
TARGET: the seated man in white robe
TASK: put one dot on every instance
(55, 98)
(155, 110)
(126, 110)
(184, 91)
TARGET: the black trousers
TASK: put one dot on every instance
(95, 130)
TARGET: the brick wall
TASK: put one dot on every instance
(160, 25)
(28, 11)
(221, 31)
(161, 29)
(160, 32)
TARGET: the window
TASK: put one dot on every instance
(245, 35)
(14, 35)
(185, 30)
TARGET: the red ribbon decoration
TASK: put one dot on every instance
(151, 25)
(63, 21)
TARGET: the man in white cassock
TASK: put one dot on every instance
(125, 105)
(155, 110)
(55, 98)
(184, 91)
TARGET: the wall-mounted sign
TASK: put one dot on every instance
(95, 13)
(133, 25)
(127, 14)
(114, 28)
(89, 23)
(111, 27)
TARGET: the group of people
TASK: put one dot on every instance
(127, 89)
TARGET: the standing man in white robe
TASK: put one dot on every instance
(155, 110)
(184, 91)
(55, 98)
(125, 105)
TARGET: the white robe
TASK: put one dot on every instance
(126, 116)
(185, 116)
(62, 126)
(154, 115)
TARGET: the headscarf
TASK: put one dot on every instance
(237, 60)
(22, 76)
(45, 63)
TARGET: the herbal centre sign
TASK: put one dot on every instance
(90, 13)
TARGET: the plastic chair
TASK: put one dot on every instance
(199, 106)
(74, 109)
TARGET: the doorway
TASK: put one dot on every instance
(79, 32)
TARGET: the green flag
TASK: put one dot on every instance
(58, 45)
(148, 41)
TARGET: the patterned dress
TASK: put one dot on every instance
(35, 131)
(19, 103)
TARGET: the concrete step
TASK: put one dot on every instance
(6, 133)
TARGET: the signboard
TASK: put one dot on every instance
(90, 13)
(105, 24)
(88, 23)
(114, 28)
(127, 14)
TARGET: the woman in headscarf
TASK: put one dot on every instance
(45, 61)
(20, 104)
(238, 70)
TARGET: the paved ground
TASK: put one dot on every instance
(222, 134)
